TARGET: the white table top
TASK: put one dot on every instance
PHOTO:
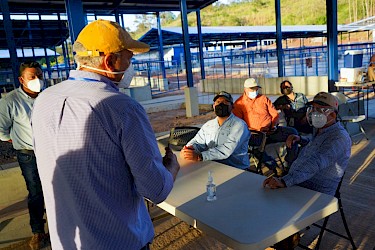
(245, 215)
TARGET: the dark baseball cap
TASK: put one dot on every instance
(224, 94)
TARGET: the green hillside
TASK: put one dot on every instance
(293, 12)
(262, 12)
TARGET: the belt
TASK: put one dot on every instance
(26, 151)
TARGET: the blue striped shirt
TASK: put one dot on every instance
(227, 143)
(321, 163)
(97, 157)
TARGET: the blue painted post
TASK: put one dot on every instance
(248, 64)
(66, 62)
(223, 59)
(187, 55)
(116, 16)
(331, 8)
(161, 46)
(76, 17)
(200, 39)
(122, 21)
(30, 35)
(44, 48)
(316, 64)
(148, 72)
(10, 40)
(279, 45)
(302, 63)
(57, 63)
(231, 60)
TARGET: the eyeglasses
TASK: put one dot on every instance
(287, 87)
(320, 110)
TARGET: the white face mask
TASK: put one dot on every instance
(252, 95)
(127, 77)
(317, 119)
(36, 85)
(125, 80)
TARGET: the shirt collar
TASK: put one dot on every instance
(22, 92)
(92, 75)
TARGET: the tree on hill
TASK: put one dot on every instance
(262, 12)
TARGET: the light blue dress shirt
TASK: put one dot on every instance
(15, 112)
(227, 143)
(322, 162)
(97, 158)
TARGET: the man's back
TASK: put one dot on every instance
(106, 160)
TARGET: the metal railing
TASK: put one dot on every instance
(303, 61)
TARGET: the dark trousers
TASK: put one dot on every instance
(280, 135)
(35, 199)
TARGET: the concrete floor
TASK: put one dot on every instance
(358, 198)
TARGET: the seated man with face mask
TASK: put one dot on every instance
(293, 106)
(259, 114)
(223, 139)
(321, 162)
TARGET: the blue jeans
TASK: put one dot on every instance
(280, 135)
(35, 199)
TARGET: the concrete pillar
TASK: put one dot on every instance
(191, 101)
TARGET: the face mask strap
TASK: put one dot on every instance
(100, 70)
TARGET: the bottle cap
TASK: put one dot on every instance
(210, 178)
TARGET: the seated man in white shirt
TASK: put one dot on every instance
(224, 139)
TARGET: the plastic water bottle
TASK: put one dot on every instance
(211, 188)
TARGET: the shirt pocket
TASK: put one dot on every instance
(223, 134)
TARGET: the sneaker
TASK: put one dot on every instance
(38, 241)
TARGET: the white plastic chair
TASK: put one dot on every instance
(347, 116)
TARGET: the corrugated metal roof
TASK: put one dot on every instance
(105, 6)
(173, 35)
(35, 33)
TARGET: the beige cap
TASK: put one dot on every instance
(250, 83)
(103, 36)
(326, 99)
